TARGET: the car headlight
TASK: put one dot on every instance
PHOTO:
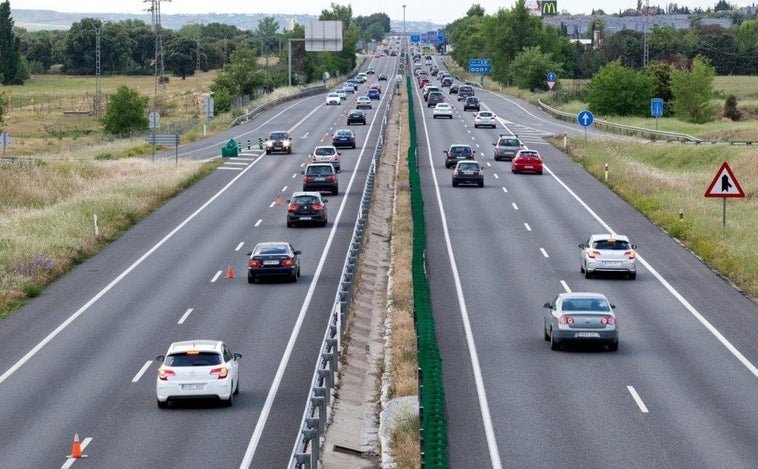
(286, 143)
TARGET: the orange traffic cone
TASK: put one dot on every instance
(278, 200)
(229, 272)
(76, 448)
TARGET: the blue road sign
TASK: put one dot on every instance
(656, 107)
(479, 66)
(415, 38)
(585, 118)
(551, 77)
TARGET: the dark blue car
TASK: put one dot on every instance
(374, 94)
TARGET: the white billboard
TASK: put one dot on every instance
(321, 36)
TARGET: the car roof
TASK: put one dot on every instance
(617, 237)
(198, 344)
(318, 165)
(306, 194)
(569, 295)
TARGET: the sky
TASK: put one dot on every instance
(440, 13)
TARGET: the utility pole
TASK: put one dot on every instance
(646, 49)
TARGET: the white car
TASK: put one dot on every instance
(333, 98)
(196, 369)
(485, 119)
(363, 101)
(341, 93)
(443, 110)
(326, 154)
(348, 88)
(608, 252)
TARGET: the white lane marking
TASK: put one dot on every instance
(528, 228)
(544, 253)
(294, 176)
(637, 399)
(715, 332)
(142, 371)
(515, 207)
(215, 277)
(258, 223)
(565, 286)
(495, 176)
(272, 204)
(120, 277)
(83, 445)
(484, 406)
(505, 190)
(239, 246)
(230, 168)
(489, 165)
(255, 438)
(284, 189)
(305, 135)
(185, 315)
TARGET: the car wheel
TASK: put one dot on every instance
(335, 191)
(237, 388)
(289, 151)
(229, 402)
(481, 184)
(290, 224)
(162, 404)
(268, 152)
(513, 171)
(553, 344)
(614, 347)
(581, 268)
(353, 146)
(587, 274)
(544, 332)
(323, 223)
(293, 277)
(633, 276)
(539, 172)
(434, 117)
(455, 184)
(250, 278)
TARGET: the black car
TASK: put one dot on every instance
(320, 177)
(382, 77)
(356, 116)
(434, 98)
(306, 207)
(468, 172)
(454, 88)
(457, 153)
(343, 138)
(278, 141)
(273, 259)
(472, 102)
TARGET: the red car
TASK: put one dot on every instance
(527, 161)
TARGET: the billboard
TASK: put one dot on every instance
(321, 36)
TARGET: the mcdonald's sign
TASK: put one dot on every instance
(549, 7)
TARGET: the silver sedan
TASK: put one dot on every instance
(581, 317)
(608, 253)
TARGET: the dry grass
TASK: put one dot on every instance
(405, 438)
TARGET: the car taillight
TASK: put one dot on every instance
(593, 254)
(336, 158)
(630, 254)
(220, 372)
(455, 173)
(286, 262)
(481, 172)
(566, 320)
(331, 178)
(317, 207)
(608, 320)
(254, 263)
(292, 207)
(313, 158)
(163, 374)
(307, 178)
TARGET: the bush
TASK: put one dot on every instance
(730, 108)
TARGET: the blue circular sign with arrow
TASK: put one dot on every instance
(551, 76)
(585, 118)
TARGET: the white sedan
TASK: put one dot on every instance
(333, 98)
(443, 110)
(363, 102)
(341, 93)
(198, 369)
(485, 119)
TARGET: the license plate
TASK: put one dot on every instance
(319, 179)
(192, 387)
(529, 166)
(305, 218)
(593, 335)
(611, 262)
(271, 262)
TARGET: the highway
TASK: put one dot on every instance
(80, 358)
(680, 392)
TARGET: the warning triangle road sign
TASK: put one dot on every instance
(724, 184)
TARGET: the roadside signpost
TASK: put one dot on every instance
(585, 119)
(656, 109)
(724, 185)
(6, 139)
(551, 80)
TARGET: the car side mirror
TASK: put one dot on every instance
(326, 201)
(613, 306)
(237, 356)
(581, 245)
(634, 246)
(250, 253)
(494, 144)
(298, 252)
(548, 306)
(160, 358)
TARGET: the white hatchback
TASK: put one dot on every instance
(443, 110)
(198, 369)
(333, 98)
(608, 252)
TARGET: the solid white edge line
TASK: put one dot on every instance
(120, 277)
(474, 357)
(255, 438)
(185, 315)
(142, 371)
(637, 399)
(724, 341)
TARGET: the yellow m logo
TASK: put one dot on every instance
(549, 7)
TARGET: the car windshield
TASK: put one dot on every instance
(611, 244)
(278, 136)
(586, 304)
(193, 359)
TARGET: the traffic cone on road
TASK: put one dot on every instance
(278, 200)
(229, 272)
(76, 448)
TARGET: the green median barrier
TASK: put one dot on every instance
(230, 149)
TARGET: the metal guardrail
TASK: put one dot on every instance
(305, 453)
(274, 102)
(623, 129)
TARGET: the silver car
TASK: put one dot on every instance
(326, 154)
(608, 252)
(581, 317)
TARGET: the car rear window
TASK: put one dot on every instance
(305, 200)
(194, 359)
(266, 250)
(509, 142)
(325, 151)
(460, 150)
(611, 244)
(585, 304)
(319, 170)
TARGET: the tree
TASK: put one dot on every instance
(181, 56)
(693, 90)
(10, 49)
(242, 76)
(127, 112)
(619, 90)
(3, 105)
(530, 67)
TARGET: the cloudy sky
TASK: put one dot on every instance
(437, 12)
